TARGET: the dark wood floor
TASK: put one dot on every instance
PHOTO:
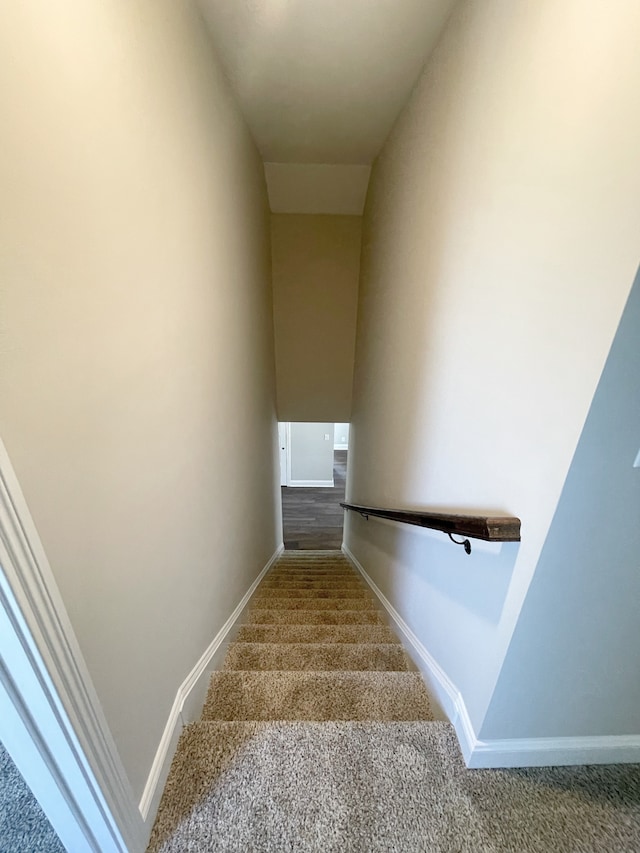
(312, 518)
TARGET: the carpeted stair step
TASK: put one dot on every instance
(301, 583)
(318, 696)
(313, 567)
(309, 556)
(315, 634)
(313, 552)
(278, 603)
(306, 786)
(265, 592)
(316, 575)
(312, 575)
(386, 657)
(266, 616)
(313, 562)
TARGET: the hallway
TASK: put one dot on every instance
(312, 517)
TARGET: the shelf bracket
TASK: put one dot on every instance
(464, 542)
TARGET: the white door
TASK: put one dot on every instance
(282, 439)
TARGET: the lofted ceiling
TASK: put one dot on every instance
(322, 81)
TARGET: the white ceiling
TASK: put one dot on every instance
(322, 81)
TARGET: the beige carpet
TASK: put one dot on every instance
(317, 736)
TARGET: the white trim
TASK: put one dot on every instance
(52, 694)
(283, 439)
(288, 436)
(340, 446)
(185, 695)
(325, 484)
(508, 752)
(543, 752)
(445, 691)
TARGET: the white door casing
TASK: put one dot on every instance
(51, 720)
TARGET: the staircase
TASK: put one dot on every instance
(312, 676)
(316, 735)
(315, 647)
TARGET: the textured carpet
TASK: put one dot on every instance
(315, 737)
(381, 787)
(266, 616)
(272, 603)
(388, 657)
(317, 696)
(315, 634)
(24, 827)
(315, 593)
(316, 582)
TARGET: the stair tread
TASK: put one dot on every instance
(279, 592)
(316, 695)
(315, 634)
(311, 574)
(276, 603)
(317, 656)
(269, 616)
(302, 583)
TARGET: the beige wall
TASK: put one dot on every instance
(316, 263)
(499, 246)
(135, 327)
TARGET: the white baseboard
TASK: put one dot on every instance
(324, 484)
(188, 703)
(340, 446)
(546, 752)
(508, 752)
(441, 687)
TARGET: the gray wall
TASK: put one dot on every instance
(311, 453)
(573, 665)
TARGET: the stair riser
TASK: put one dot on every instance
(321, 696)
(321, 585)
(313, 574)
(310, 656)
(315, 634)
(278, 592)
(266, 603)
(311, 561)
(265, 616)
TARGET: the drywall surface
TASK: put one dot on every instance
(313, 188)
(572, 665)
(341, 436)
(311, 452)
(500, 243)
(136, 325)
(316, 261)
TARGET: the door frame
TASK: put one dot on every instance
(284, 437)
(52, 723)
